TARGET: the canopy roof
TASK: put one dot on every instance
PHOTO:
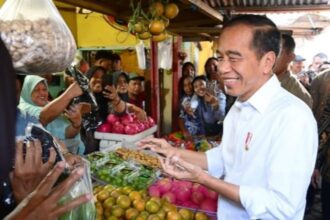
(202, 19)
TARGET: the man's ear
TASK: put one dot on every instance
(268, 62)
(292, 56)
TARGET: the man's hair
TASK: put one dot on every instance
(115, 57)
(288, 43)
(265, 37)
(103, 54)
(323, 56)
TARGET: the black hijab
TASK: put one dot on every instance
(7, 121)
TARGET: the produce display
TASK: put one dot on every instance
(152, 23)
(110, 168)
(178, 139)
(125, 124)
(125, 203)
(139, 156)
(186, 194)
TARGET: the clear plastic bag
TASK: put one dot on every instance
(36, 36)
(83, 186)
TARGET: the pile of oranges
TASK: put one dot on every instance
(124, 203)
(153, 24)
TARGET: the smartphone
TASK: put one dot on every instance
(107, 80)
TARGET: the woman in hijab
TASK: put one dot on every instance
(66, 127)
(37, 204)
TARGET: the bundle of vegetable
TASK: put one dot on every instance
(140, 157)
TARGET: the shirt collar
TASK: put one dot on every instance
(262, 98)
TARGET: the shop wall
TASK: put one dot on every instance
(93, 31)
(205, 51)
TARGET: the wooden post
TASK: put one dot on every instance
(176, 75)
(155, 90)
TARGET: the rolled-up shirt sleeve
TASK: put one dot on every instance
(215, 163)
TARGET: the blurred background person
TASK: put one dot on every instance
(297, 65)
(103, 58)
(288, 81)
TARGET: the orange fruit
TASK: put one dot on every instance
(168, 207)
(161, 213)
(154, 217)
(152, 206)
(109, 202)
(173, 215)
(102, 195)
(123, 201)
(171, 10)
(127, 190)
(112, 218)
(160, 37)
(109, 188)
(139, 205)
(116, 193)
(145, 35)
(201, 216)
(156, 27)
(186, 214)
(135, 195)
(131, 213)
(156, 8)
(117, 211)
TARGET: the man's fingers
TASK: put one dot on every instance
(63, 188)
(60, 210)
(19, 160)
(48, 182)
(38, 152)
(51, 160)
(188, 166)
(30, 152)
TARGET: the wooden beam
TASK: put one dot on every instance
(98, 6)
(208, 30)
(205, 9)
(191, 23)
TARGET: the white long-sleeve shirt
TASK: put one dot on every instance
(268, 149)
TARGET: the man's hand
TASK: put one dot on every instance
(160, 146)
(29, 170)
(180, 169)
(43, 204)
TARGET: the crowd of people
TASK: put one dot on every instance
(250, 97)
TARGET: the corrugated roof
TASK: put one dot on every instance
(263, 3)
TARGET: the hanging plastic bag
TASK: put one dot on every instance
(36, 36)
(141, 56)
(83, 186)
(165, 54)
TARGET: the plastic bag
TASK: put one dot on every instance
(83, 186)
(141, 56)
(36, 36)
(165, 54)
(36, 131)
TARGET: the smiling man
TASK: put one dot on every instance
(265, 161)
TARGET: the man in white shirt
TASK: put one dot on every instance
(264, 164)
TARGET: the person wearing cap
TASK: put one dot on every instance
(297, 65)
(135, 90)
(289, 82)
